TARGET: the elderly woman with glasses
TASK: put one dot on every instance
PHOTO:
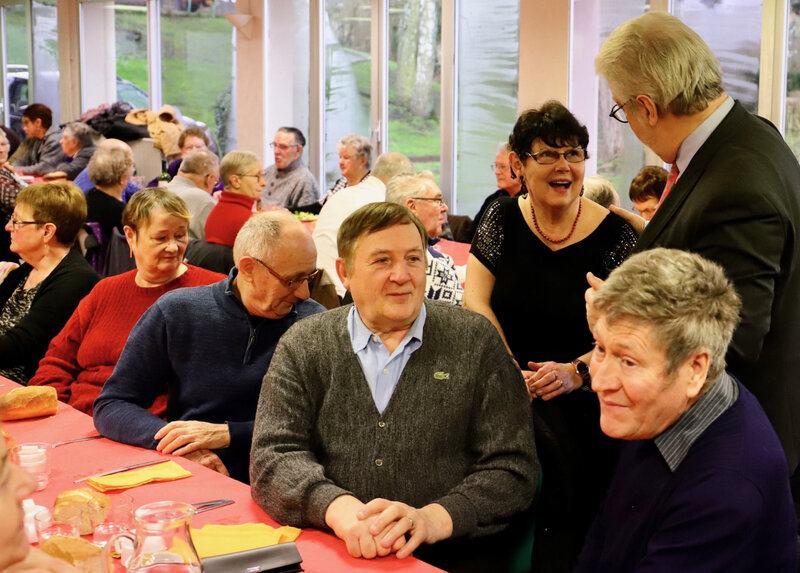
(37, 299)
(243, 176)
(527, 274)
(83, 355)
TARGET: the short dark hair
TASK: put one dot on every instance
(649, 182)
(553, 123)
(372, 218)
(299, 138)
(39, 111)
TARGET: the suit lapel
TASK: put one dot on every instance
(688, 179)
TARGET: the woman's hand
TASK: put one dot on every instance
(551, 379)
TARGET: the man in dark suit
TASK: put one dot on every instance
(736, 199)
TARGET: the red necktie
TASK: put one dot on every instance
(673, 175)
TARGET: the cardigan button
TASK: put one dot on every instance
(381, 424)
(379, 463)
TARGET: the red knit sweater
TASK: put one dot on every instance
(227, 217)
(82, 356)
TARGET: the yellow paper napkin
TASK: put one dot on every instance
(167, 471)
(214, 540)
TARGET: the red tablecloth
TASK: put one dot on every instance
(321, 552)
(459, 251)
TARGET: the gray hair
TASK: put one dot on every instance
(236, 163)
(686, 300)
(600, 190)
(260, 234)
(659, 56)
(402, 187)
(108, 165)
(392, 164)
(80, 132)
(503, 147)
(357, 143)
(199, 162)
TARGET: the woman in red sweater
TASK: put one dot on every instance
(83, 355)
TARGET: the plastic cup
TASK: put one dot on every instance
(108, 521)
(35, 459)
(67, 525)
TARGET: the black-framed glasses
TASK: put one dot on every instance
(290, 284)
(16, 224)
(618, 113)
(439, 200)
(551, 156)
(281, 146)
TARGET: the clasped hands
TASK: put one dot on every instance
(381, 527)
(194, 441)
(546, 380)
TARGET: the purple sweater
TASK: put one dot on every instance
(726, 508)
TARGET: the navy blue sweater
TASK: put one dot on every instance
(202, 346)
(726, 508)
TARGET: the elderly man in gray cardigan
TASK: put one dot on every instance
(394, 422)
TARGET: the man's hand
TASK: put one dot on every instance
(208, 459)
(591, 314)
(37, 561)
(394, 519)
(342, 517)
(632, 219)
(182, 437)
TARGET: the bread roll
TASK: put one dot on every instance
(81, 498)
(75, 551)
(29, 402)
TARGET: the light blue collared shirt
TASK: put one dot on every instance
(381, 370)
(698, 137)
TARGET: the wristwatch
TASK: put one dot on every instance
(583, 371)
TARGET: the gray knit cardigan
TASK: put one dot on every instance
(457, 430)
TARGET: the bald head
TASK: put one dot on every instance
(116, 144)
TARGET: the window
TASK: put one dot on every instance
(197, 63)
(733, 32)
(793, 80)
(616, 153)
(487, 94)
(114, 53)
(347, 42)
(15, 49)
(414, 81)
(45, 56)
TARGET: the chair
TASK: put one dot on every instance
(209, 256)
(118, 255)
(146, 158)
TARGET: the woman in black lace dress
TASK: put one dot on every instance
(527, 274)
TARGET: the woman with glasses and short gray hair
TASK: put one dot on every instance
(527, 274)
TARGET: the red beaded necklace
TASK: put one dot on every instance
(545, 237)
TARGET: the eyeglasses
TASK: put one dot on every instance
(15, 224)
(550, 156)
(281, 146)
(439, 200)
(258, 175)
(290, 284)
(499, 167)
(618, 113)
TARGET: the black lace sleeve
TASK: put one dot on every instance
(621, 248)
(488, 240)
